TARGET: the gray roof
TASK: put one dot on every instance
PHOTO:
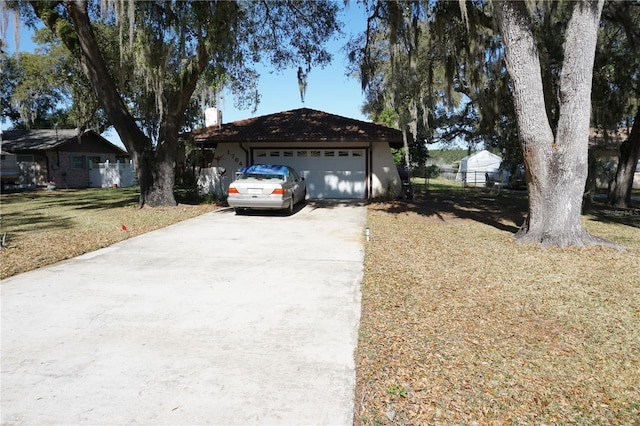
(44, 139)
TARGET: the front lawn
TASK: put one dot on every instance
(461, 326)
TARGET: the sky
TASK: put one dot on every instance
(328, 89)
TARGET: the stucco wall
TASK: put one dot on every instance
(228, 159)
(385, 178)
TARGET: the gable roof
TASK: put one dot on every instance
(299, 125)
(47, 139)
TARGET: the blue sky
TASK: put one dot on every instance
(328, 89)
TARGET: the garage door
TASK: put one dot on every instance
(329, 173)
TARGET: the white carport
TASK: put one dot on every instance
(473, 168)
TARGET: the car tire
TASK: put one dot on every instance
(238, 211)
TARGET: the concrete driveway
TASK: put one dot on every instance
(221, 319)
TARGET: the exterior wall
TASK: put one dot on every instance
(385, 179)
(228, 159)
(62, 173)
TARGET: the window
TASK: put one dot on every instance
(302, 153)
(261, 154)
(315, 153)
(357, 153)
(329, 153)
(77, 161)
(343, 153)
(274, 154)
(94, 159)
(287, 154)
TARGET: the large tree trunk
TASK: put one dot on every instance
(620, 192)
(556, 165)
(157, 186)
(156, 178)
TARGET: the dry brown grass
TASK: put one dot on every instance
(44, 227)
(461, 326)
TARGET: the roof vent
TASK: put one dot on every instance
(212, 117)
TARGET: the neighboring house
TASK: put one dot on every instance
(60, 156)
(339, 157)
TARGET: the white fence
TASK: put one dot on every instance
(107, 175)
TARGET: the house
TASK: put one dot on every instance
(339, 157)
(63, 156)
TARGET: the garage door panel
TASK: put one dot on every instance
(347, 184)
(339, 173)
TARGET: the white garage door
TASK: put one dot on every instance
(328, 173)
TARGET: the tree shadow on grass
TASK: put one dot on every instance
(624, 216)
(94, 198)
(504, 210)
(49, 210)
(102, 199)
(34, 221)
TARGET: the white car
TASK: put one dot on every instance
(267, 187)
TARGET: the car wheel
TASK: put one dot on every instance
(238, 210)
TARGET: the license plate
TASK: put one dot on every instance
(255, 191)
